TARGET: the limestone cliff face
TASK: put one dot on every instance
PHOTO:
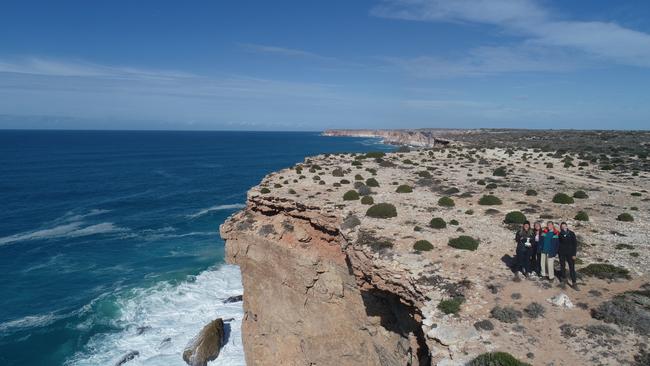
(421, 138)
(312, 299)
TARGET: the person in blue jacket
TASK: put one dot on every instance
(550, 244)
(536, 249)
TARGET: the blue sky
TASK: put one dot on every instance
(311, 65)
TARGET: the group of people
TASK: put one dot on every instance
(537, 248)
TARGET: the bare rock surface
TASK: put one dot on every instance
(205, 346)
(326, 282)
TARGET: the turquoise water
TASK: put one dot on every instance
(109, 241)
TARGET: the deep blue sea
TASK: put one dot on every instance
(109, 241)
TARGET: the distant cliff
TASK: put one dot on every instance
(421, 138)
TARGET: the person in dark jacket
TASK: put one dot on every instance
(568, 250)
(550, 245)
(523, 238)
(536, 249)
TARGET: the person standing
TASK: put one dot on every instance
(536, 249)
(523, 239)
(550, 244)
(568, 251)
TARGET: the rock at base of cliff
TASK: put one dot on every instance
(206, 345)
(231, 299)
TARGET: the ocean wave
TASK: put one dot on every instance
(232, 206)
(30, 321)
(68, 230)
(159, 321)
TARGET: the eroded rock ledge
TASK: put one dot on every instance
(326, 284)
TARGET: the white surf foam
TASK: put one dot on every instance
(29, 321)
(69, 230)
(232, 206)
(169, 316)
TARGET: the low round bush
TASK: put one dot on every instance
(489, 200)
(351, 195)
(437, 223)
(563, 198)
(265, 190)
(581, 216)
(531, 192)
(580, 194)
(605, 271)
(452, 190)
(344, 181)
(453, 222)
(451, 306)
(463, 242)
(382, 211)
(446, 202)
(372, 182)
(375, 154)
(424, 174)
(404, 189)
(500, 171)
(515, 217)
(367, 200)
(422, 246)
(636, 194)
(338, 172)
(496, 359)
(625, 217)
(491, 186)
(358, 177)
(480, 182)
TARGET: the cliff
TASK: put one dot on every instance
(329, 281)
(420, 138)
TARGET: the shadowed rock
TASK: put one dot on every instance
(127, 357)
(206, 345)
(231, 299)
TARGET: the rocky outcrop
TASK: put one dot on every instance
(306, 300)
(420, 138)
(206, 345)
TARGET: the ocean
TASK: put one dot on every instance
(109, 240)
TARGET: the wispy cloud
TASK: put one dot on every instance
(53, 67)
(283, 51)
(535, 26)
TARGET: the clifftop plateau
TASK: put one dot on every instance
(399, 259)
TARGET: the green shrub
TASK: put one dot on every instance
(480, 182)
(292, 191)
(422, 246)
(367, 200)
(424, 174)
(265, 190)
(372, 182)
(382, 211)
(636, 194)
(357, 163)
(531, 192)
(446, 202)
(469, 212)
(351, 195)
(453, 222)
(375, 154)
(491, 186)
(515, 217)
(500, 171)
(562, 198)
(437, 223)
(451, 306)
(464, 242)
(404, 189)
(358, 177)
(580, 194)
(496, 359)
(605, 271)
(625, 217)
(344, 181)
(489, 200)
(581, 216)
(452, 190)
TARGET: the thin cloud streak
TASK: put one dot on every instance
(526, 19)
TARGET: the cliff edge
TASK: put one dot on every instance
(343, 263)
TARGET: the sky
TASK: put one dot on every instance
(313, 65)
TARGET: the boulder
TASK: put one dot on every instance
(127, 357)
(561, 300)
(206, 345)
(452, 334)
(236, 298)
